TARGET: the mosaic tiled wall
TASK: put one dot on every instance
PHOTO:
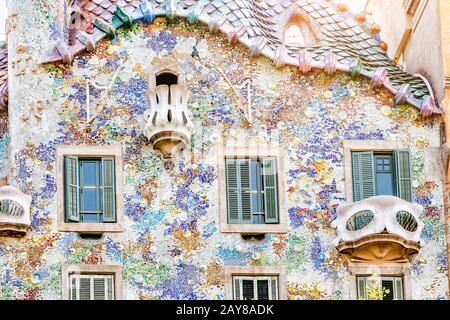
(171, 247)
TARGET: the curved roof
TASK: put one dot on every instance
(345, 42)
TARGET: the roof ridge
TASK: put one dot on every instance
(346, 45)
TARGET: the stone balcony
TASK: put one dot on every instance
(169, 126)
(15, 217)
(381, 228)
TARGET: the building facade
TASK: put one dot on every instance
(411, 46)
(215, 150)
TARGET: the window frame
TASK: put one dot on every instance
(382, 278)
(389, 269)
(91, 277)
(98, 185)
(231, 150)
(255, 279)
(393, 171)
(250, 271)
(260, 187)
(89, 152)
(92, 270)
(377, 146)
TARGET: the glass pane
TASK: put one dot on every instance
(263, 290)
(258, 218)
(90, 217)
(89, 200)
(89, 173)
(248, 292)
(388, 289)
(384, 184)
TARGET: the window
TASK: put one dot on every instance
(255, 283)
(379, 288)
(252, 191)
(91, 287)
(255, 288)
(90, 189)
(91, 282)
(381, 173)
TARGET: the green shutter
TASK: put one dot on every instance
(270, 190)
(362, 289)
(363, 175)
(245, 191)
(404, 174)
(72, 193)
(237, 288)
(238, 190)
(109, 192)
(232, 191)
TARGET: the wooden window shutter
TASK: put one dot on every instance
(404, 174)
(237, 288)
(362, 288)
(363, 175)
(72, 190)
(73, 288)
(109, 192)
(270, 190)
(110, 288)
(245, 191)
(398, 289)
(84, 288)
(103, 287)
(232, 190)
(274, 288)
(99, 288)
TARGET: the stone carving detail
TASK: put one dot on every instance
(14, 212)
(385, 209)
(382, 228)
(169, 125)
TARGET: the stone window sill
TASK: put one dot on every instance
(90, 227)
(253, 228)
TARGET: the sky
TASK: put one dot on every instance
(2, 19)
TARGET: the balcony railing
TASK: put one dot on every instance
(14, 212)
(379, 220)
(169, 126)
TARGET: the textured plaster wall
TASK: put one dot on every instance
(171, 247)
(423, 53)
